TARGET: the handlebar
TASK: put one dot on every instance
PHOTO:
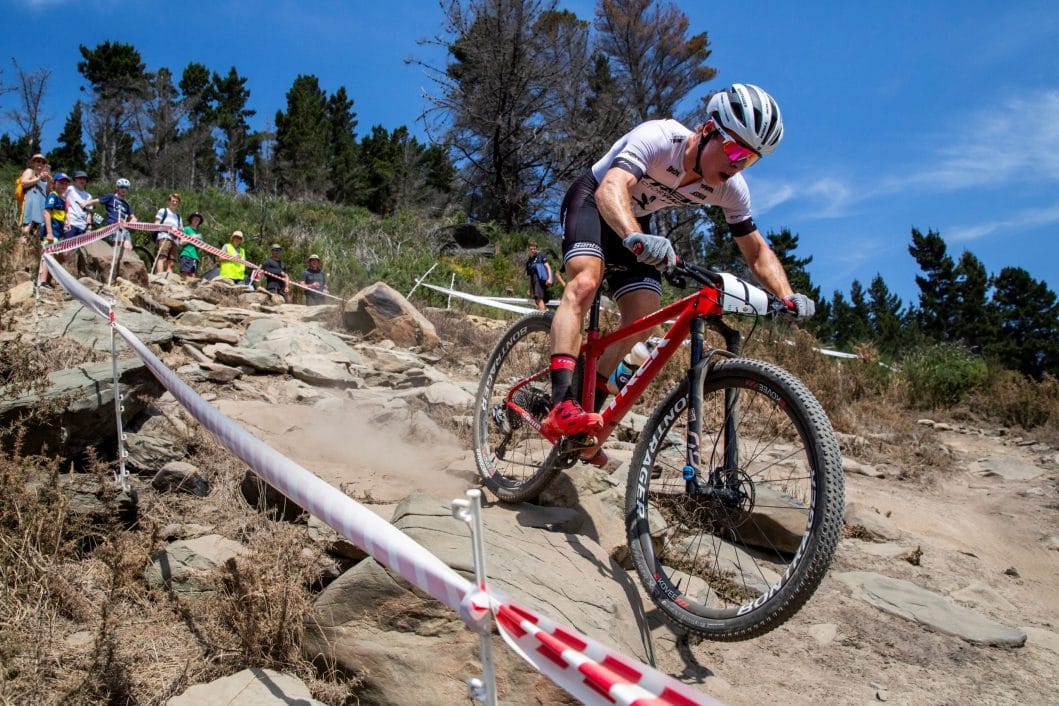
(679, 275)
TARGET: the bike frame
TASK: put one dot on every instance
(706, 302)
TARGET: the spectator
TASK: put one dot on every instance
(55, 210)
(169, 217)
(34, 182)
(314, 278)
(235, 271)
(54, 223)
(189, 254)
(541, 276)
(275, 273)
(78, 201)
(118, 209)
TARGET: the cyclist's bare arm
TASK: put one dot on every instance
(614, 201)
(764, 263)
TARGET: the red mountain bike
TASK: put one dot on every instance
(734, 498)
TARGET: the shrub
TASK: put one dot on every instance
(1013, 399)
(943, 375)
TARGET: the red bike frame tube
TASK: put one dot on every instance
(705, 302)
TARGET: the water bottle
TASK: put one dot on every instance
(628, 367)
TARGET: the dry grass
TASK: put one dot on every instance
(79, 624)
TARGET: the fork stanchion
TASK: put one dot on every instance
(470, 511)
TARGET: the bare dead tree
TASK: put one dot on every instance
(30, 88)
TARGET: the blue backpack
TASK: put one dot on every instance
(540, 269)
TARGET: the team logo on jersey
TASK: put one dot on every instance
(673, 170)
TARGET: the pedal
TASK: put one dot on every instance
(572, 444)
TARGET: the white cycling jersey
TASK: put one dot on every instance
(654, 152)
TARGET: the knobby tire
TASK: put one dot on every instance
(737, 566)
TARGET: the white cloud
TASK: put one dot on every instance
(1028, 218)
(1015, 140)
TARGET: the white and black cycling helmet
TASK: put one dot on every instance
(750, 114)
(123, 184)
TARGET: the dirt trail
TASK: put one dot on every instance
(983, 539)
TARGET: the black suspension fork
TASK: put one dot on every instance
(692, 483)
(700, 363)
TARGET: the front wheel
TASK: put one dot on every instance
(736, 546)
(515, 462)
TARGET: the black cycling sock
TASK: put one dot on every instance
(562, 375)
(601, 392)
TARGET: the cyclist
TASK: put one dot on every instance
(606, 213)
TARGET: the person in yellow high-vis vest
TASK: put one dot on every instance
(234, 271)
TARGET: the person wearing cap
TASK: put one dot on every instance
(169, 218)
(78, 201)
(275, 273)
(235, 271)
(54, 224)
(34, 182)
(55, 210)
(313, 277)
(118, 209)
(189, 254)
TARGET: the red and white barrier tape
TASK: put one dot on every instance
(79, 241)
(588, 670)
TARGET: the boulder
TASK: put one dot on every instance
(380, 308)
(289, 338)
(78, 406)
(260, 360)
(22, 292)
(911, 602)
(186, 566)
(323, 370)
(206, 335)
(177, 476)
(372, 624)
(86, 327)
(95, 260)
(250, 687)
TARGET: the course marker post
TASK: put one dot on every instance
(470, 511)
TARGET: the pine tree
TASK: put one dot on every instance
(937, 289)
(71, 154)
(197, 143)
(1028, 328)
(119, 82)
(973, 323)
(302, 144)
(887, 323)
(229, 95)
(342, 137)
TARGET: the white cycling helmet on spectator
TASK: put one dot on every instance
(750, 114)
(124, 184)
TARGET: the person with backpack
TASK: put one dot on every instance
(31, 191)
(540, 276)
(168, 217)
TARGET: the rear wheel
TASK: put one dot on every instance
(739, 548)
(515, 462)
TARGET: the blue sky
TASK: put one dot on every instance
(901, 114)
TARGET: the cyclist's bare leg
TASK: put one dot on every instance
(584, 275)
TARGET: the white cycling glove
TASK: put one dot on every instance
(652, 250)
(804, 307)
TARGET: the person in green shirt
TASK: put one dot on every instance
(189, 254)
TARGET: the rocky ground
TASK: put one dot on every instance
(944, 590)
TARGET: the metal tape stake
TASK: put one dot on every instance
(420, 281)
(122, 476)
(470, 511)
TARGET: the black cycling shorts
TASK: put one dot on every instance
(586, 233)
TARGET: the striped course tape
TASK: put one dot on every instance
(588, 670)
